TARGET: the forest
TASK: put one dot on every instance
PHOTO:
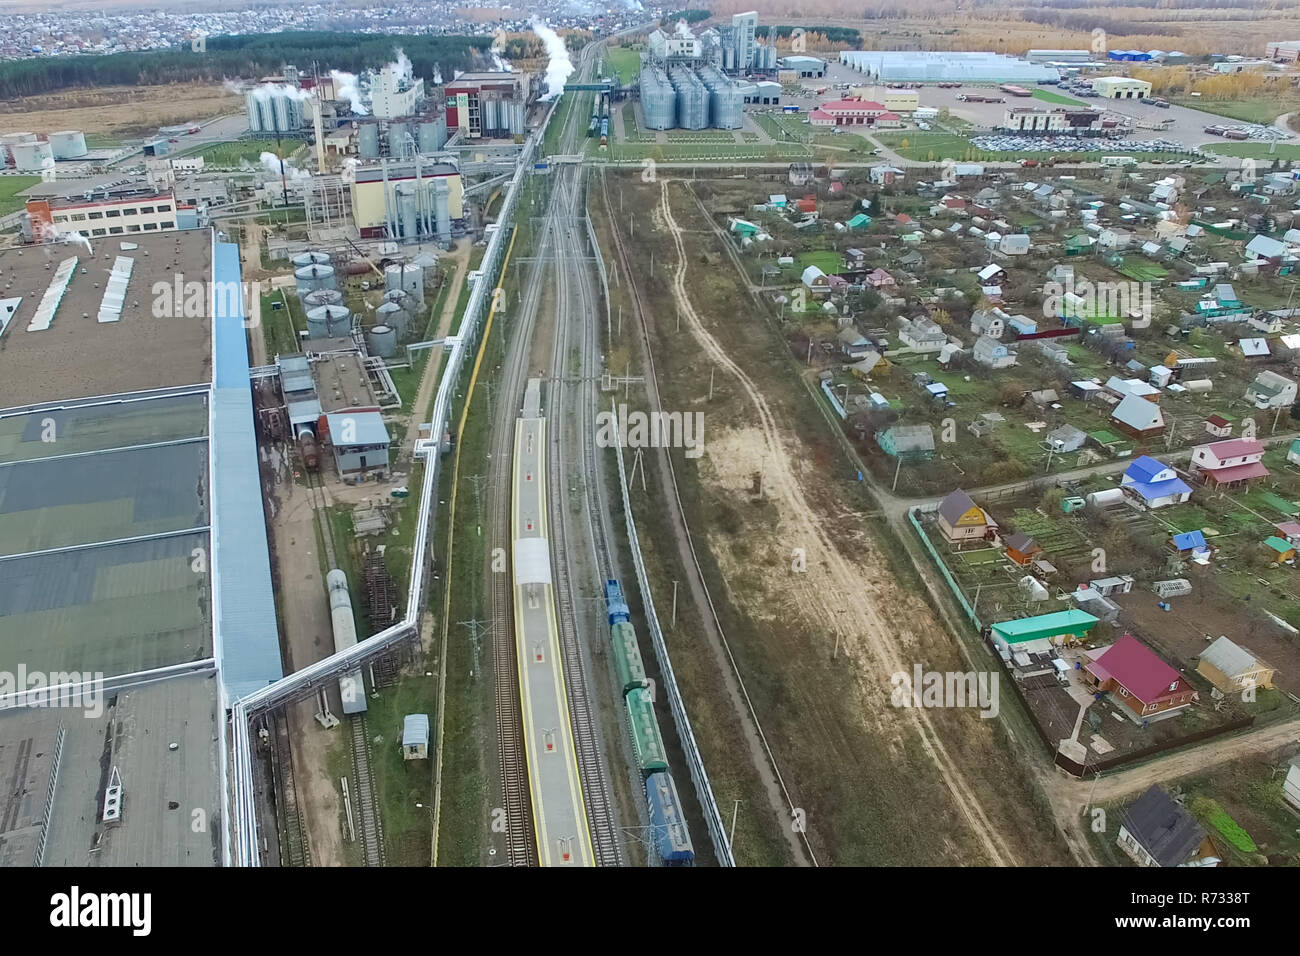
(243, 57)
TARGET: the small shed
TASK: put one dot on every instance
(415, 737)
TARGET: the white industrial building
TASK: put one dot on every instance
(934, 67)
(1121, 88)
(394, 92)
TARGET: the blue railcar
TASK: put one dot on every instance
(615, 604)
(671, 840)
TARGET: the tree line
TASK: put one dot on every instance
(229, 57)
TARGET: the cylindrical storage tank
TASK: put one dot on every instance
(441, 210)
(692, 99)
(368, 141)
(8, 139)
(314, 300)
(487, 115)
(394, 316)
(328, 321)
(516, 118)
(382, 341)
(310, 259)
(313, 277)
(68, 144)
(398, 147)
(406, 213)
(406, 277)
(433, 135)
(729, 58)
(658, 99)
(31, 157)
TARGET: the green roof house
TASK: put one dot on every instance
(860, 221)
(908, 442)
(1293, 453)
(1039, 633)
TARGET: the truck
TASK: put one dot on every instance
(1118, 161)
(1237, 134)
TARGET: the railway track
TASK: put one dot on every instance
(371, 830)
(295, 850)
(578, 309)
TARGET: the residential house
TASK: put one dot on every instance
(801, 174)
(1033, 635)
(1189, 543)
(884, 175)
(1232, 668)
(867, 363)
(1123, 387)
(853, 344)
(1291, 783)
(921, 335)
(1293, 452)
(1155, 483)
(990, 322)
(777, 200)
(907, 442)
(1114, 239)
(1271, 390)
(1065, 439)
(1266, 249)
(1145, 685)
(855, 260)
(992, 353)
(1289, 530)
(1014, 245)
(1226, 296)
(1022, 549)
(813, 278)
(1138, 418)
(1156, 831)
(961, 520)
(859, 222)
(1253, 348)
(911, 260)
(1218, 426)
(1277, 184)
(880, 280)
(1230, 463)
(992, 274)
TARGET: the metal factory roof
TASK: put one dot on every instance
(357, 428)
(245, 637)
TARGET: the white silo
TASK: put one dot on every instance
(310, 259)
(408, 278)
(68, 144)
(442, 208)
(394, 316)
(328, 321)
(313, 277)
(382, 341)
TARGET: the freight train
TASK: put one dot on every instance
(670, 836)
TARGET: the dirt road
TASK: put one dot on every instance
(866, 631)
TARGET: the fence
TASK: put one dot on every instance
(943, 567)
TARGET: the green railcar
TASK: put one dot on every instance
(627, 656)
(646, 741)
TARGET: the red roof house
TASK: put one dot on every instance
(1229, 463)
(1140, 680)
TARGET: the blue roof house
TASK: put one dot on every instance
(1155, 483)
(1193, 541)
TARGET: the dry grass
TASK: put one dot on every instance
(120, 112)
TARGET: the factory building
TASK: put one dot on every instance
(407, 201)
(1026, 119)
(745, 28)
(1121, 88)
(360, 441)
(394, 92)
(679, 45)
(805, 67)
(948, 66)
(402, 139)
(764, 93)
(1059, 56)
(125, 211)
(489, 104)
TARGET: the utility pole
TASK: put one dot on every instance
(897, 469)
(731, 837)
(674, 605)
(711, 371)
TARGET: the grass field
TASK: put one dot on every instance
(119, 112)
(1268, 151)
(623, 62)
(1047, 96)
(232, 154)
(10, 187)
(1252, 109)
(706, 152)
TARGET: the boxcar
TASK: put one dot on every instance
(647, 743)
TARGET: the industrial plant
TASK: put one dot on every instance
(684, 82)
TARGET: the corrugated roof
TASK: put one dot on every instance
(1139, 670)
(245, 636)
(357, 428)
(1072, 621)
(1228, 657)
(1163, 828)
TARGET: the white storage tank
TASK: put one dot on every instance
(68, 144)
(328, 321)
(382, 341)
(310, 259)
(314, 300)
(368, 141)
(406, 277)
(313, 277)
(32, 157)
(394, 316)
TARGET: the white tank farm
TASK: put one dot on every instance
(68, 144)
(382, 341)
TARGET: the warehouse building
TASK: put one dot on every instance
(804, 67)
(948, 66)
(1059, 56)
(1121, 88)
(134, 545)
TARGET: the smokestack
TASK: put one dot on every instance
(319, 125)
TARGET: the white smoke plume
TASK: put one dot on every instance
(347, 88)
(75, 238)
(267, 90)
(682, 29)
(437, 76)
(402, 64)
(499, 63)
(558, 65)
(291, 172)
